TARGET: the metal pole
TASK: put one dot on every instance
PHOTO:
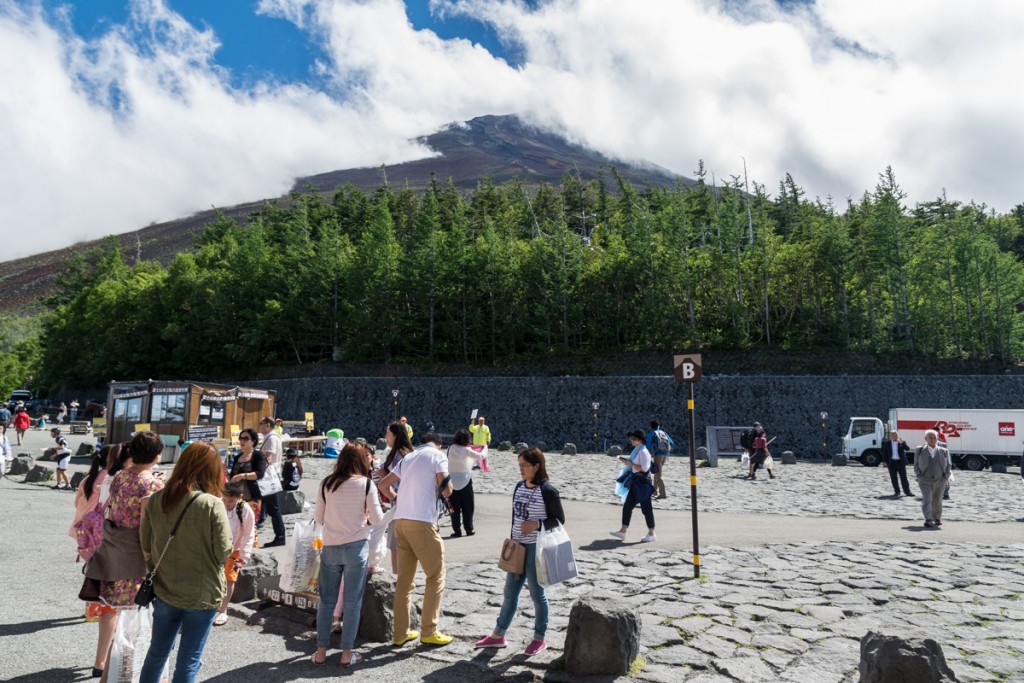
(693, 482)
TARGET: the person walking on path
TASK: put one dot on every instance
(640, 488)
(933, 472)
(529, 512)
(460, 465)
(6, 454)
(894, 454)
(249, 467)
(242, 520)
(347, 503)
(424, 476)
(21, 424)
(760, 455)
(74, 409)
(62, 454)
(481, 432)
(659, 445)
(188, 578)
(130, 490)
(5, 415)
(274, 453)
(62, 412)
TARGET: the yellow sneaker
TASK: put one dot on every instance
(437, 639)
(411, 635)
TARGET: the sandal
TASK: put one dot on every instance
(336, 626)
(356, 658)
(320, 662)
(220, 619)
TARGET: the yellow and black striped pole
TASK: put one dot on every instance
(693, 482)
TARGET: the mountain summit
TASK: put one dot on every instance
(497, 147)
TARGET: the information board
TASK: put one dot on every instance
(203, 432)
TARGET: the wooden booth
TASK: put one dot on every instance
(184, 410)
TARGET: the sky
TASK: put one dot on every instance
(116, 114)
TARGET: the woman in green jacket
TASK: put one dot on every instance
(189, 580)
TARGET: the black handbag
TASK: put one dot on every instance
(145, 595)
(90, 591)
(445, 506)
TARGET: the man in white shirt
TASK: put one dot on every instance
(422, 473)
(271, 448)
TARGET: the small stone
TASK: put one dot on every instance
(38, 473)
(292, 502)
(569, 449)
(892, 659)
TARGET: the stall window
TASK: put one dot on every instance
(211, 412)
(128, 409)
(168, 408)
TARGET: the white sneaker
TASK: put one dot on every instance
(621, 535)
(649, 538)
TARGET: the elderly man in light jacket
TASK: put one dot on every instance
(933, 471)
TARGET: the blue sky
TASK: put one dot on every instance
(143, 111)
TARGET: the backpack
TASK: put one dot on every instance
(747, 439)
(661, 442)
(89, 531)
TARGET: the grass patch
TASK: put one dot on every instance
(637, 666)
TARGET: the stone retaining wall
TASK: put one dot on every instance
(558, 409)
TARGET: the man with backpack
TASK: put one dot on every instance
(660, 445)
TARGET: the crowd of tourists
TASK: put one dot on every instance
(178, 545)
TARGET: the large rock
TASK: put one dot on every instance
(601, 638)
(542, 445)
(382, 445)
(77, 479)
(892, 659)
(615, 451)
(260, 565)
(377, 619)
(505, 446)
(39, 473)
(838, 460)
(788, 458)
(569, 449)
(21, 464)
(292, 502)
(520, 447)
(85, 448)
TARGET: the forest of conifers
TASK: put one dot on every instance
(509, 273)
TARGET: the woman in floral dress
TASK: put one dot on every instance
(129, 492)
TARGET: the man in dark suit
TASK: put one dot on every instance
(894, 455)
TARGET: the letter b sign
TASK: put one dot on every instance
(687, 368)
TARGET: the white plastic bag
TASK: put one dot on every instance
(769, 462)
(555, 560)
(379, 542)
(745, 460)
(301, 573)
(128, 650)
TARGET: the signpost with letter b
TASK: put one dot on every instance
(688, 370)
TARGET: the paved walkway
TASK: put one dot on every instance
(794, 572)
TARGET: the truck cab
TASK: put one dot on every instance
(863, 441)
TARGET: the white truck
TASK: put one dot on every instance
(976, 438)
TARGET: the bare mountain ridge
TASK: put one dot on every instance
(499, 147)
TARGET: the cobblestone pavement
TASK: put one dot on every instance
(784, 612)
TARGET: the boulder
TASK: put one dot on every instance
(602, 638)
(77, 479)
(505, 446)
(569, 449)
(85, 448)
(542, 445)
(382, 445)
(292, 502)
(838, 460)
(21, 464)
(892, 659)
(615, 451)
(260, 565)
(788, 458)
(999, 467)
(704, 454)
(520, 447)
(377, 619)
(39, 473)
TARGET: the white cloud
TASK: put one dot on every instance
(831, 92)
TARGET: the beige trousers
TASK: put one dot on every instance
(418, 542)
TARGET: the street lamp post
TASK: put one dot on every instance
(596, 406)
(394, 404)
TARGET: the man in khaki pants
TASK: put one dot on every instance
(421, 474)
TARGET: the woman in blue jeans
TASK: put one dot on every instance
(347, 501)
(534, 502)
(189, 580)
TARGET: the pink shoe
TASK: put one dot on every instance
(491, 641)
(536, 647)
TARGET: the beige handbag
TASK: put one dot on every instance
(513, 557)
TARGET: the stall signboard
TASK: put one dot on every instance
(296, 428)
(269, 588)
(99, 427)
(203, 432)
(235, 431)
(170, 389)
(309, 423)
(143, 427)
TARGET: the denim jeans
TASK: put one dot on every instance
(194, 625)
(347, 560)
(514, 585)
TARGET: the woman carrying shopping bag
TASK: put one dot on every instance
(535, 502)
(347, 501)
(187, 539)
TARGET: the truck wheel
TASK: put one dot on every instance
(871, 459)
(975, 463)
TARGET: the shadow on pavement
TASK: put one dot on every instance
(36, 626)
(603, 544)
(921, 527)
(54, 676)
